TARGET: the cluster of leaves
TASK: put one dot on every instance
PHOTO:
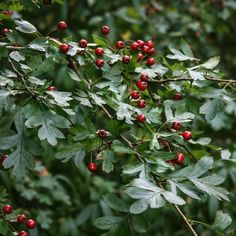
(40, 124)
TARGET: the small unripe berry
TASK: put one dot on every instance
(120, 44)
(142, 103)
(7, 209)
(187, 135)
(126, 59)
(22, 233)
(99, 63)
(141, 118)
(64, 47)
(102, 133)
(92, 167)
(99, 51)
(62, 25)
(105, 30)
(176, 125)
(30, 223)
(150, 61)
(135, 94)
(180, 158)
(21, 218)
(52, 88)
(83, 43)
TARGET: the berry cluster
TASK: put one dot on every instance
(21, 218)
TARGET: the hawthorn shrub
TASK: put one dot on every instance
(127, 124)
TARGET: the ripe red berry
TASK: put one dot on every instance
(7, 12)
(187, 135)
(145, 49)
(126, 59)
(144, 77)
(105, 30)
(52, 88)
(141, 118)
(99, 63)
(172, 161)
(177, 96)
(83, 43)
(64, 47)
(120, 44)
(142, 103)
(5, 31)
(92, 167)
(140, 56)
(165, 144)
(102, 133)
(176, 125)
(30, 223)
(62, 25)
(7, 209)
(142, 85)
(23, 233)
(99, 51)
(180, 158)
(134, 46)
(150, 44)
(2, 159)
(140, 43)
(150, 61)
(135, 94)
(21, 218)
(151, 51)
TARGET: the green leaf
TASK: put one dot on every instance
(108, 222)
(173, 198)
(211, 108)
(157, 201)
(115, 203)
(133, 168)
(60, 98)
(4, 227)
(17, 56)
(108, 159)
(139, 223)
(100, 41)
(180, 56)
(222, 221)
(186, 48)
(120, 148)
(211, 63)
(73, 75)
(25, 27)
(139, 206)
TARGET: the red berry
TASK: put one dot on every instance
(120, 44)
(105, 30)
(7, 12)
(5, 31)
(142, 85)
(7, 209)
(64, 47)
(62, 25)
(176, 125)
(187, 135)
(165, 144)
(48, 2)
(177, 96)
(134, 46)
(141, 118)
(83, 43)
(99, 51)
(140, 43)
(2, 159)
(135, 94)
(99, 63)
(23, 233)
(150, 61)
(92, 167)
(126, 59)
(102, 133)
(144, 77)
(172, 161)
(142, 103)
(145, 49)
(151, 51)
(30, 223)
(150, 44)
(180, 158)
(140, 56)
(52, 88)
(21, 218)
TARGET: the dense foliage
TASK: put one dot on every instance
(143, 121)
